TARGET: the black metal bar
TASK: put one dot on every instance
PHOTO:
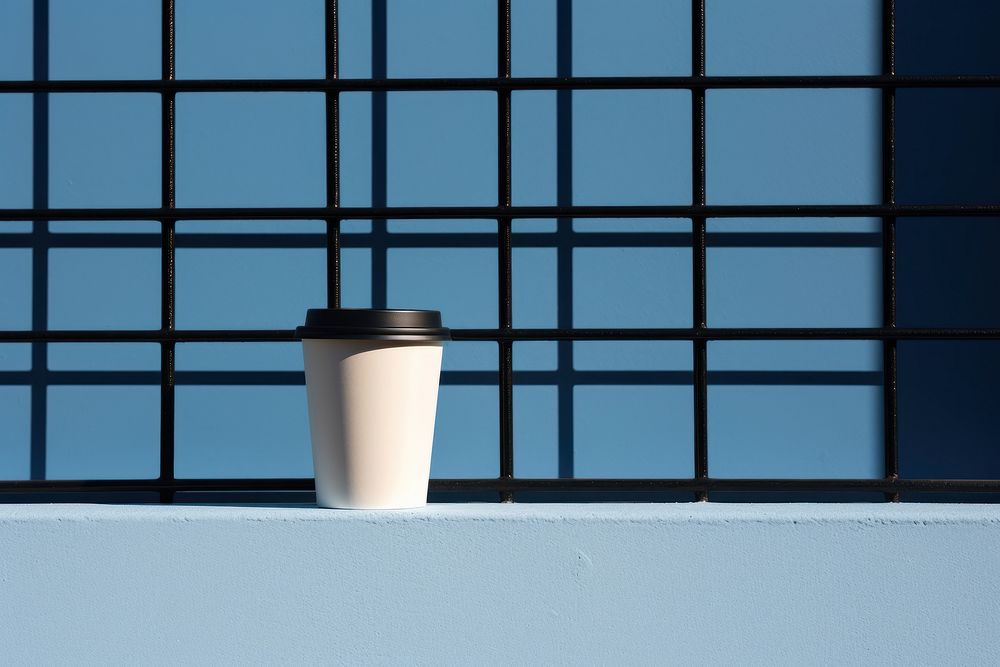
(39, 239)
(708, 333)
(522, 484)
(483, 378)
(493, 212)
(380, 156)
(168, 287)
(332, 40)
(504, 249)
(564, 239)
(889, 390)
(494, 84)
(698, 249)
(627, 239)
(711, 333)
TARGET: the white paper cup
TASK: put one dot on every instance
(372, 383)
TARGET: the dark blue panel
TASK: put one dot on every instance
(948, 151)
(949, 405)
(953, 37)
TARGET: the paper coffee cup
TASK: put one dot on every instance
(372, 383)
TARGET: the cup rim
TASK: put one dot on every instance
(373, 324)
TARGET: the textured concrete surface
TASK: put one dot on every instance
(522, 584)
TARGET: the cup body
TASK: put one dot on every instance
(372, 405)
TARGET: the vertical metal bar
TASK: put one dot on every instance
(889, 244)
(698, 251)
(564, 234)
(167, 248)
(379, 236)
(39, 241)
(332, 156)
(504, 249)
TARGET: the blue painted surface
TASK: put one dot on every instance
(631, 147)
(15, 146)
(214, 38)
(250, 149)
(793, 37)
(104, 150)
(103, 432)
(89, 43)
(104, 288)
(475, 584)
(792, 146)
(947, 148)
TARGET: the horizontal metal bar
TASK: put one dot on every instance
(707, 333)
(486, 212)
(467, 377)
(710, 333)
(515, 484)
(497, 84)
(625, 239)
(711, 484)
(149, 336)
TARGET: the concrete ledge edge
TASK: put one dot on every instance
(645, 513)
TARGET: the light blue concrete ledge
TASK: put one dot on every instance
(501, 584)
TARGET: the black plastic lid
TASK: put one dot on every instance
(373, 324)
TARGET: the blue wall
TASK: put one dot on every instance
(948, 148)
(776, 409)
(501, 584)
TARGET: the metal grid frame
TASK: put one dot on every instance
(505, 485)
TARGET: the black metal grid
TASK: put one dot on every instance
(506, 485)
